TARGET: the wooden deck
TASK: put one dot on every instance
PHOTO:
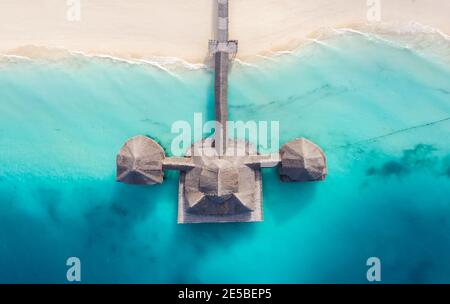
(222, 49)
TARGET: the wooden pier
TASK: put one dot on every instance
(217, 184)
(222, 49)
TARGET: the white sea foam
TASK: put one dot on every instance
(166, 64)
(413, 35)
(32, 52)
(245, 63)
(421, 39)
(13, 57)
(321, 42)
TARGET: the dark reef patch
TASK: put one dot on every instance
(393, 167)
(418, 158)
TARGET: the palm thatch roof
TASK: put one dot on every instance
(302, 160)
(220, 189)
(140, 162)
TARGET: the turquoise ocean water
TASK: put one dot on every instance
(381, 113)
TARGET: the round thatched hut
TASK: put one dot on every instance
(140, 162)
(301, 161)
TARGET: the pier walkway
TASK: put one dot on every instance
(222, 49)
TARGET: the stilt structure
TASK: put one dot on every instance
(220, 178)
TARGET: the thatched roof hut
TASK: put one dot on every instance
(301, 160)
(220, 189)
(140, 162)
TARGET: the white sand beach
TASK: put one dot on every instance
(179, 28)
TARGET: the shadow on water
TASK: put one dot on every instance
(199, 241)
(202, 241)
(283, 201)
(202, 236)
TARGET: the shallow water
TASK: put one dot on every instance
(380, 112)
